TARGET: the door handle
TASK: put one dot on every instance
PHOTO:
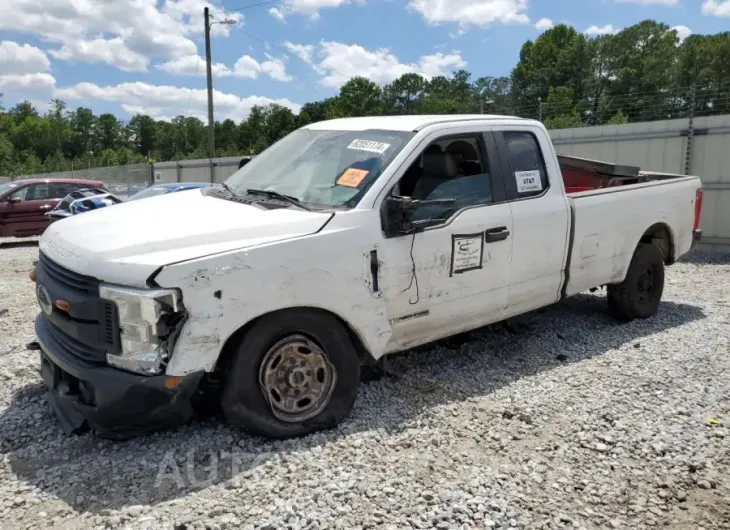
(45, 207)
(496, 234)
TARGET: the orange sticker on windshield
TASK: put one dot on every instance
(352, 177)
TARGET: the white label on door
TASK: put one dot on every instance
(528, 181)
(368, 145)
(466, 253)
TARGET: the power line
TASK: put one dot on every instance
(289, 52)
(251, 6)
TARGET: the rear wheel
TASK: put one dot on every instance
(294, 373)
(639, 295)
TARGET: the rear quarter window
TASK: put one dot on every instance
(528, 175)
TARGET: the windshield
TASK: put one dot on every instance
(150, 192)
(5, 188)
(321, 168)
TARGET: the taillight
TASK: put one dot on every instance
(698, 208)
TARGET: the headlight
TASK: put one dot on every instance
(148, 322)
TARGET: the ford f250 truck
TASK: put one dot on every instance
(344, 241)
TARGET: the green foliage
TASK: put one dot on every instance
(642, 73)
(618, 119)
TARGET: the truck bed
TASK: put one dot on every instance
(583, 174)
(607, 226)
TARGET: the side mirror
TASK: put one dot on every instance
(13, 200)
(397, 211)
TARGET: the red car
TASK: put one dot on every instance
(24, 203)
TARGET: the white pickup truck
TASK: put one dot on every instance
(345, 241)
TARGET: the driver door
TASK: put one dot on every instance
(26, 209)
(452, 276)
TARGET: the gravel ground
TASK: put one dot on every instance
(576, 422)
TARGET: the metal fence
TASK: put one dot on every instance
(195, 170)
(692, 147)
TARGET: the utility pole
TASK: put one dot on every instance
(209, 72)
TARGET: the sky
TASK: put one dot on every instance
(147, 56)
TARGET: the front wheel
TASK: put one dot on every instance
(294, 373)
(638, 296)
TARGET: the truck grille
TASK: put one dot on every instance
(92, 328)
(65, 345)
(77, 282)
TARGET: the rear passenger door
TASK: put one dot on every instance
(61, 189)
(540, 217)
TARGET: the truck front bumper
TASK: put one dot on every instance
(113, 403)
(696, 238)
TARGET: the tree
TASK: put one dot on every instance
(143, 134)
(106, 132)
(359, 97)
(560, 110)
(641, 73)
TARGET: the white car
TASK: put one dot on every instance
(343, 242)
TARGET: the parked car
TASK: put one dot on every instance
(82, 201)
(162, 189)
(125, 189)
(343, 242)
(24, 203)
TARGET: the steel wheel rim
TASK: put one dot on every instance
(297, 378)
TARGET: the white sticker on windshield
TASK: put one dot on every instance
(528, 181)
(368, 145)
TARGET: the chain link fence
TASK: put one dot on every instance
(120, 180)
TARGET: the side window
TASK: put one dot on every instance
(20, 194)
(451, 168)
(60, 190)
(34, 192)
(529, 177)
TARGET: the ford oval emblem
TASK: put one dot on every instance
(44, 300)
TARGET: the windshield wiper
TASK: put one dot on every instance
(277, 195)
(228, 189)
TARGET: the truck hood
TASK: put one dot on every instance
(127, 242)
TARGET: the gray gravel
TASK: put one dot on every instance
(575, 422)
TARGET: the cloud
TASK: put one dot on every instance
(682, 32)
(192, 65)
(24, 71)
(303, 51)
(471, 12)
(127, 34)
(309, 8)
(110, 51)
(163, 102)
(189, 14)
(22, 59)
(717, 8)
(37, 84)
(337, 63)
(277, 14)
(608, 29)
(246, 67)
(544, 24)
(249, 67)
(650, 2)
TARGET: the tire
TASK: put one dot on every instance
(639, 295)
(256, 384)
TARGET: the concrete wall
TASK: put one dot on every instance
(662, 146)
